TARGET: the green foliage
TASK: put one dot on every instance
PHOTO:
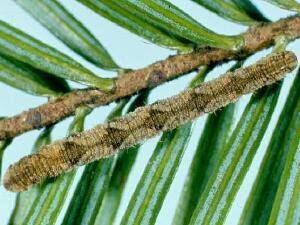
(285, 209)
(286, 4)
(151, 190)
(16, 44)
(247, 7)
(222, 157)
(64, 26)
(121, 16)
(30, 80)
(166, 17)
(208, 151)
(227, 9)
(261, 198)
(228, 174)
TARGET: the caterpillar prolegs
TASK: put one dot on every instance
(145, 122)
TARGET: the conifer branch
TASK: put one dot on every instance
(255, 39)
(145, 122)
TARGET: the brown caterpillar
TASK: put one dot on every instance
(145, 122)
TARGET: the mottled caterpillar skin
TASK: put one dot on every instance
(145, 122)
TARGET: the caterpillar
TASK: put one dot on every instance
(145, 122)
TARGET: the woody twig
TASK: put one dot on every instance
(255, 39)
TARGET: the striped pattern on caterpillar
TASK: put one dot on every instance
(145, 122)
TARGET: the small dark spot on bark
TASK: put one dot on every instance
(34, 119)
(156, 77)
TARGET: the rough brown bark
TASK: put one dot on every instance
(146, 122)
(255, 39)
